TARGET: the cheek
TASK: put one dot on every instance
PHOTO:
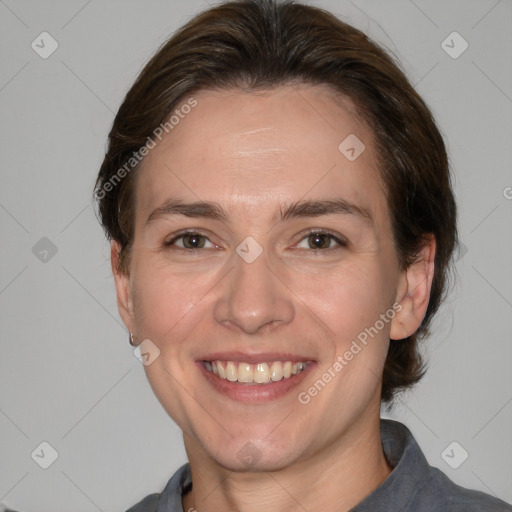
(348, 299)
(169, 310)
(349, 302)
(165, 301)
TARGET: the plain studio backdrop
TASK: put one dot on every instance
(68, 377)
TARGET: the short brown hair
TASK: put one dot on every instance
(262, 44)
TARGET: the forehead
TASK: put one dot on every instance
(251, 149)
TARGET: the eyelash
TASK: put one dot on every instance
(181, 235)
(340, 241)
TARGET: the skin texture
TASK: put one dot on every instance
(254, 154)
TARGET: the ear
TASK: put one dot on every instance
(123, 288)
(413, 292)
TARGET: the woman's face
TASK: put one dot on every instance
(263, 246)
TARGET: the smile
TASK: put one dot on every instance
(259, 373)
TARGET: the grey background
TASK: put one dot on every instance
(67, 373)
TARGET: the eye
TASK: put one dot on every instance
(190, 240)
(320, 240)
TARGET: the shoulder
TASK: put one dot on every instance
(148, 504)
(445, 495)
(416, 486)
(169, 500)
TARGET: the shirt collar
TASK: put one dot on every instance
(410, 473)
(177, 486)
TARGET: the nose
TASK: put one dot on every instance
(254, 299)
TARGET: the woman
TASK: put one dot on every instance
(282, 221)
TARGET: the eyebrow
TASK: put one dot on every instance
(325, 207)
(298, 209)
(196, 209)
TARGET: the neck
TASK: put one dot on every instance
(344, 473)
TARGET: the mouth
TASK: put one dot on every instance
(256, 374)
(254, 378)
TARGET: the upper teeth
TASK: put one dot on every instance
(260, 373)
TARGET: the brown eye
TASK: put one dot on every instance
(190, 241)
(319, 241)
(193, 241)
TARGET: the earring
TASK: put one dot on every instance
(130, 339)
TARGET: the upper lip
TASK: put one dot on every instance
(254, 358)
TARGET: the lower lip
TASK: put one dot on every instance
(254, 393)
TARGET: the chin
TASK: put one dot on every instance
(253, 461)
(243, 455)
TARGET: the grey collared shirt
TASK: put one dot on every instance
(412, 486)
